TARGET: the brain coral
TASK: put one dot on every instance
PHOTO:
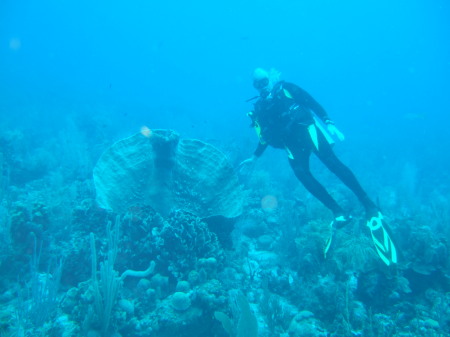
(180, 301)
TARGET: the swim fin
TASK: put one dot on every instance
(329, 240)
(313, 134)
(323, 128)
(383, 243)
(338, 222)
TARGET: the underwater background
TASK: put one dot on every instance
(77, 77)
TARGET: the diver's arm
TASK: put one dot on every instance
(304, 99)
(259, 150)
(301, 97)
(247, 165)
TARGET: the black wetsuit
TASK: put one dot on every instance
(282, 120)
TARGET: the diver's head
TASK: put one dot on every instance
(263, 80)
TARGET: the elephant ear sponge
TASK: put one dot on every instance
(161, 170)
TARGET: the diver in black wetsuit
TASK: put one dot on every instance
(287, 117)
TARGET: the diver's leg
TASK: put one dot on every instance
(300, 166)
(332, 162)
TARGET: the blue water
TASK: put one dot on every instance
(377, 64)
(76, 76)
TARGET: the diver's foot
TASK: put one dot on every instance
(341, 221)
(372, 212)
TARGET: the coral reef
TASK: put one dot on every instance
(67, 270)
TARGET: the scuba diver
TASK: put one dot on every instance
(287, 117)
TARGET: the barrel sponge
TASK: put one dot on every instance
(167, 173)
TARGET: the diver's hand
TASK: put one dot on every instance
(247, 166)
(334, 131)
